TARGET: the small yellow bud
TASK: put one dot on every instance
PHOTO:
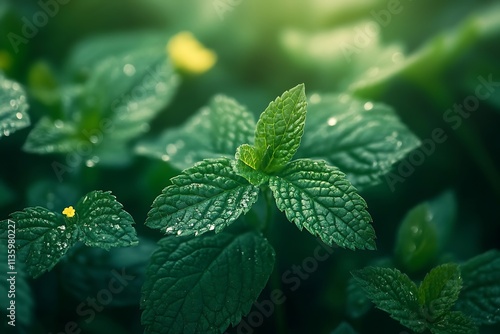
(69, 212)
(189, 55)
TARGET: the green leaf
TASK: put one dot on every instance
(439, 291)
(208, 196)
(416, 241)
(364, 139)
(13, 106)
(213, 132)
(480, 296)
(393, 292)
(42, 238)
(123, 94)
(280, 128)
(247, 154)
(204, 284)
(103, 222)
(89, 53)
(320, 198)
(131, 90)
(454, 323)
(22, 293)
(246, 164)
(55, 136)
(357, 303)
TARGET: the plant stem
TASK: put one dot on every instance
(269, 210)
(275, 281)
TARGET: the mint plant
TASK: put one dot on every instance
(216, 192)
(43, 237)
(472, 288)
(94, 114)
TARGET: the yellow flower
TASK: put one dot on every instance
(69, 212)
(189, 55)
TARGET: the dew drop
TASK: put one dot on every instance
(62, 227)
(13, 104)
(58, 124)
(315, 98)
(6, 132)
(170, 229)
(179, 232)
(165, 157)
(19, 115)
(171, 149)
(332, 121)
(129, 70)
(211, 227)
(368, 106)
(94, 139)
(89, 163)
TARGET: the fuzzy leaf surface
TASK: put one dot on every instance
(439, 291)
(480, 296)
(280, 129)
(208, 196)
(204, 284)
(321, 199)
(103, 222)
(393, 292)
(362, 138)
(454, 323)
(214, 131)
(42, 238)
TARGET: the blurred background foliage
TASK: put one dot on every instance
(421, 58)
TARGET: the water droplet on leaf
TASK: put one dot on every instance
(129, 70)
(368, 106)
(332, 121)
